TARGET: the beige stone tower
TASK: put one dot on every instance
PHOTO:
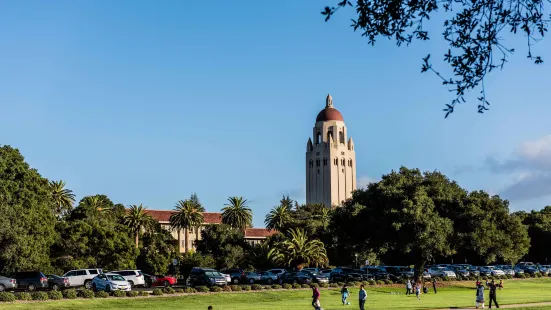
(330, 159)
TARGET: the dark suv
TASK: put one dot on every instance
(206, 276)
(237, 275)
(345, 274)
(377, 273)
(31, 280)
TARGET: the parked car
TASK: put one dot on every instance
(7, 284)
(166, 281)
(525, 264)
(228, 277)
(543, 270)
(82, 277)
(268, 277)
(316, 277)
(508, 270)
(460, 271)
(237, 275)
(110, 282)
(296, 277)
(345, 274)
(134, 277)
(56, 283)
(312, 270)
(149, 279)
(377, 273)
(206, 276)
(31, 280)
(252, 277)
(495, 271)
(518, 271)
(441, 272)
(278, 271)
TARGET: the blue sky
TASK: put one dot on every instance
(147, 102)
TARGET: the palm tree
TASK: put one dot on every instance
(298, 251)
(138, 220)
(62, 197)
(186, 216)
(97, 203)
(236, 214)
(278, 217)
(324, 216)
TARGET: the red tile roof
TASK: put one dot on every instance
(164, 216)
(258, 233)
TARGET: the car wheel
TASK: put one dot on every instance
(88, 284)
(2, 288)
(166, 284)
(55, 287)
(251, 281)
(108, 289)
(31, 287)
(270, 281)
(131, 284)
(94, 288)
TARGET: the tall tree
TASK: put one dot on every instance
(194, 200)
(27, 218)
(236, 214)
(62, 197)
(138, 221)
(299, 251)
(157, 251)
(472, 29)
(278, 217)
(186, 216)
(539, 230)
(225, 244)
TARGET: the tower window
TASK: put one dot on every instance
(336, 161)
(317, 162)
(325, 162)
(311, 163)
(341, 137)
(342, 162)
(318, 138)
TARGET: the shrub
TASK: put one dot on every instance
(256, 287)
(26, 296)
(157, 292)
(246, 287)
(40, 296)
(388, 281)
(226, 288)
(509, 276)
(55, 295)
(380, 282)
(296, 286)
(235, 288)
(168, 290)
(276, 286)
(179, 291)
(371, 282)
(333, 285)
(324, 285)
(351, 284)
(7, 297)
(69, 294)
(315, 285)
(340, 284)
(446, 279)
(201, 289)
(132, 294)
(143, 293)
(102, 294)
(119, 293)
(86, 294)
(538, 274)
(304, 286)
(216, 289)
(287, 286)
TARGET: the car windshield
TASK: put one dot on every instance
(115, 277)
(213, 274)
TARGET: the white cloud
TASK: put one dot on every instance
(363, 181)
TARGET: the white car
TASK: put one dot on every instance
(495, 271)
(134, 277)
(228, 277)
(82, 277)
(110, 282)
(441, 272)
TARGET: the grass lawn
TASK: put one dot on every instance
(458, 295)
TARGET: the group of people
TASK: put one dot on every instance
(362, 295)
(480, 293)
(412, 287)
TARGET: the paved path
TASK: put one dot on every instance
(536, 304)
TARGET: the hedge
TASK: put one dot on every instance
(119, 293)
(55, 295)
(102, 294)
(26, 296)
(69, 294)
(7, 297)
(157, 292)
(86, 293)
(256, 287)
(40, 296)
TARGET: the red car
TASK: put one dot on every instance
(164, 281)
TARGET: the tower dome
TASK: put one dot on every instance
(329, 113)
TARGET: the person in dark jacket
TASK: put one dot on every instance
(363, 296)
(434, 285)
(493, 288)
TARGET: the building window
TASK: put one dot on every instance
(311, 163)
(336, 161)
(325, 162)
(318, 138)
(342, 162)
(317, 162)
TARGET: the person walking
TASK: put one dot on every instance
(493, 288)
(408, 287)
(344, 295)
(363, 297)
(480, 296)
(418, 291)
(316, 298)
(434, 285)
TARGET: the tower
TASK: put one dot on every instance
(330, 159)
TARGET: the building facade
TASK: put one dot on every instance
(253, 236)
(330, 159)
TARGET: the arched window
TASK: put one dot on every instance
(341, 137)
(311, 163)
(336, 161)
(325, 162)
(318, 138)
(351, 163)
(317, 162)
(342, 162)
(329, 136)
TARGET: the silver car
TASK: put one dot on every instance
(7, 284)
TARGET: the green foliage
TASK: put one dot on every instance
(7, 297)
(86, 293)
(119, 294)
(39, 296)
(216, 289)
(103, 294)
(227, 245)
(276, 286)
(179, 291)
(26, 296)
(158, 249)
(380, 282)
(296, 286)
(27, 215)
(539, 231)
(63, 198)
(194, 259)
(256, 287)
(304, 286)
(69, 294)
(298, 251)
(371, 282)
(168, 290)
(190, 290)
(157, 292)
(333, 285)
(388, 281)
(138, 221)
(236, 214)
(227, 288)
(246, 287)
(186, 216)
(55, 295)
(144, 293)
(202, 289)
(278, 217)
(324, 285)
(235, 288)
